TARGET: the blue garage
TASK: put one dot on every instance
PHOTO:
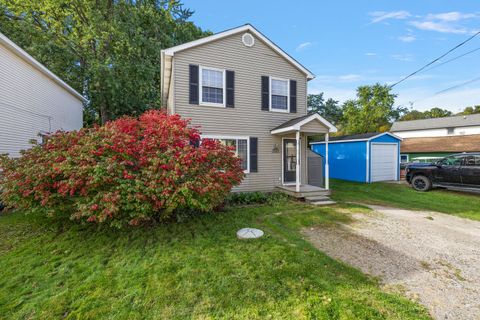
(367, 157)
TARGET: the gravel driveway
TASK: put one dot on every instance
(434, 257)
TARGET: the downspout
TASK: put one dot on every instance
(297, 165)
(327, 166)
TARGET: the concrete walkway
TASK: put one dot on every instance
(434, 257)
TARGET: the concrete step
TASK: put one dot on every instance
(316, 198)
(323, 203)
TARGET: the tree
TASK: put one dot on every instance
(413, 115)
(107, 49)
(329, 109)
(372, 110)
(471, 110)
(437, 113)
(428, 114)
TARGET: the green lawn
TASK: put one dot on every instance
(399, 195)
(195, 269)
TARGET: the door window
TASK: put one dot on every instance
(472, 161)
(452, 161)
(291, 156)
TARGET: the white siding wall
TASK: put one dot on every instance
(30, 102)
(438, 132)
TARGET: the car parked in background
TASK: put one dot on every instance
(458, 171)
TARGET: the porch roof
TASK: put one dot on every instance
(313, 123)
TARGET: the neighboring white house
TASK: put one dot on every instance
(33, 100)
(438, 127)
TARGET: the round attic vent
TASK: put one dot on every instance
(248, 39)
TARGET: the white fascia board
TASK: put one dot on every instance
(297, 126)
(331, 127)
(171, 51)
(40, 67)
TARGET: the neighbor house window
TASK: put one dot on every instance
(279, 95)
(212, 86)
(240, 147)
(450, 130)
(404, 158)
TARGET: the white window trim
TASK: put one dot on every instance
(212, 104)
(270, 95)
(214, 136)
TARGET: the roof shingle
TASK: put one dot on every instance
(467, 143)
(437, 123)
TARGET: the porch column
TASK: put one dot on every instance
(297, 165)
(327, 167)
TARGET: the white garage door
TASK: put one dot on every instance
(384, 162)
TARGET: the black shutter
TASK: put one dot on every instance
(193, 84)
(265, 93)
(293, 96)
(230, 89)
(253, 154)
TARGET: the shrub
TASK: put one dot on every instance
(246, 198)
(127, 171)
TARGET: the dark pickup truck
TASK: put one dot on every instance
(457, 172)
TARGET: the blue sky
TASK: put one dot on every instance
(351, 43)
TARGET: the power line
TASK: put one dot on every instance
(435, 60)
(411, 103)
(453, 59)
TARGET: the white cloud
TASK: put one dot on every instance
(379, 16)
(370, 54)
(408, 38)
(303, 46)
(402, 57)
(350, 77)
(454, 101)
(451, 16)
(439, 27)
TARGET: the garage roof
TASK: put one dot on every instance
(467, 143)
(437, 123)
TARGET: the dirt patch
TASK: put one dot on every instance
(433, 256)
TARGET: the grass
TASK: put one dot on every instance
(402, 196)
(195, 269)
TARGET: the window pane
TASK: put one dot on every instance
(212, 78)
(214, 95)
(452, 161)
(279, 102)
(472, 161)
(242, 152)
(279, 87)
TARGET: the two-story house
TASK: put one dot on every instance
(33, 100)
(427, 140)
(242, 89)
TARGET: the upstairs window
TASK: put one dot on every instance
(279, 95)
(212, 86)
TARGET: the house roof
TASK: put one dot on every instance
(247, 27)
(464, 143)
(437, 123)
(296, 123)
(358, 137)
(10, 45)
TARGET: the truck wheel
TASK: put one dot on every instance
(421, 183)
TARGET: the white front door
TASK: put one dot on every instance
(384, 161)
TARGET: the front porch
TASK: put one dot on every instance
(306, 190)
(295, 162)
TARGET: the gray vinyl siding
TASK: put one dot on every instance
(313, 127)
(246, 118)
(30, 102)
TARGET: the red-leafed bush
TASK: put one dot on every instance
(128, 171)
